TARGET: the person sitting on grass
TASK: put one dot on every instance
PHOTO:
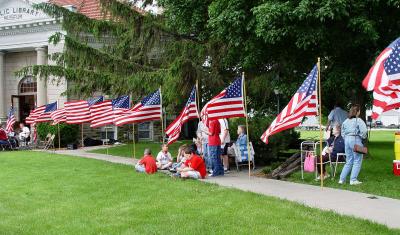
(180, 159)
(164, 158)
(147, 163)
(194, 167)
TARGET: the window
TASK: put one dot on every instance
(144, 130)
(27, 85)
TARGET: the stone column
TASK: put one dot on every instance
(41, 59)
(3, 98)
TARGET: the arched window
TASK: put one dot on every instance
(27, 85)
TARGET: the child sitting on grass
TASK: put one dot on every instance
(164, 158)
(180, 159)
(147, 163)
(194, 167)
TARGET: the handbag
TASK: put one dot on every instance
(359, 148)
(309, 163)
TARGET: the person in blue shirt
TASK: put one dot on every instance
(354, 130)
(336, 117)
(335, 145)
(241, 142)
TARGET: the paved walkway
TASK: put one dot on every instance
(381, 210)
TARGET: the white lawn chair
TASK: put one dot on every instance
(338, 162)
(239, 161)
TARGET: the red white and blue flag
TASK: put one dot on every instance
(227, 104)
(189, 112)
(78, 112)
(34, 114)
(46, 115)
(105, 112)
(10, 121)
(302, 104)
(384, 79)
(147, 110)
(58, 116)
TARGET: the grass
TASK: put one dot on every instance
(376, 172)
(44, 193)
(126, 150)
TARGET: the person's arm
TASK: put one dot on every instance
(211, 130)
(169, 157)
(363, 128)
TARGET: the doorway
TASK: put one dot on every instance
(25, 102)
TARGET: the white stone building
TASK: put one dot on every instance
(24, 34)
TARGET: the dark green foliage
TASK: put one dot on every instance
(69, 133)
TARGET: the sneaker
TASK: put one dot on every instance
(210, 175)
(355, 182)
(341, 182)
(326, 176)
(227, 171)
(318, 178)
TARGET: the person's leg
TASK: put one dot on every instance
(349, 159)
(159, 165)
(225, 159)
(219, 167)
(139, 168)
(191, 174)
(206, 157)
(166, 166)
(216, 164)
(356, 166)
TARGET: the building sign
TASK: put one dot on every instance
(17, 13)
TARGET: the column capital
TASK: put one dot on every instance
(40, 48)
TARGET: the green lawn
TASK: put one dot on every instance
(377, 169)
(126, 150)
(44, 193)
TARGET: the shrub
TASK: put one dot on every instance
(265, 153)
(69, 133)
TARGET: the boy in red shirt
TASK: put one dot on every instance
(147, 163)
(194, 167)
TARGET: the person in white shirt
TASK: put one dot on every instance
(164, 158)
(24, 132)
(225, 140)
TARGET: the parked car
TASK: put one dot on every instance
(378, 124)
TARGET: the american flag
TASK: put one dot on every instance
(34, 114)
(10, 121)
(58, 116)
(78, 112)
(105, 112)
(384, 79)
(46, 115)
(303, 103)
(227, 104)
(188, 112)
(147, 110)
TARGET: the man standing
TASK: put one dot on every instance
(225, 140)
(203, 138)
(214, 147)
(336, 117)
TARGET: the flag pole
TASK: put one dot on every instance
(320, 122)
(247, 123)
(59, 137)
(162, 118)
(197, 95)
(82, 136)
(133, 139)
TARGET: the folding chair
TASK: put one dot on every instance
(338, 162)
(243, 161)
(50, 143)
(317, 157)
(306, 147)
(43, 143)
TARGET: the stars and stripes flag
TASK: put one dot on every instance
(34, 114)
(78, 112)
(384, 80)
(227, 104)
(105, 112)
(303, 103)
(46, 115)
(58, 116)
(148, 109)
(188, 112)
(10, 121)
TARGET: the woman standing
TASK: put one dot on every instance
(353, 131)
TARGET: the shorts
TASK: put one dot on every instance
(191, 174)
(224, 150)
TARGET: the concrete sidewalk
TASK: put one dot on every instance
(381, 210)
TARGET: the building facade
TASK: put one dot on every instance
(24, 34)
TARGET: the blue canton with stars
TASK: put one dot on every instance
(192, 97)
(152, 99)
(121, 102)
(310, 84)
(392, 63)
(234, 90)
(96, 100)
(51, 107)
